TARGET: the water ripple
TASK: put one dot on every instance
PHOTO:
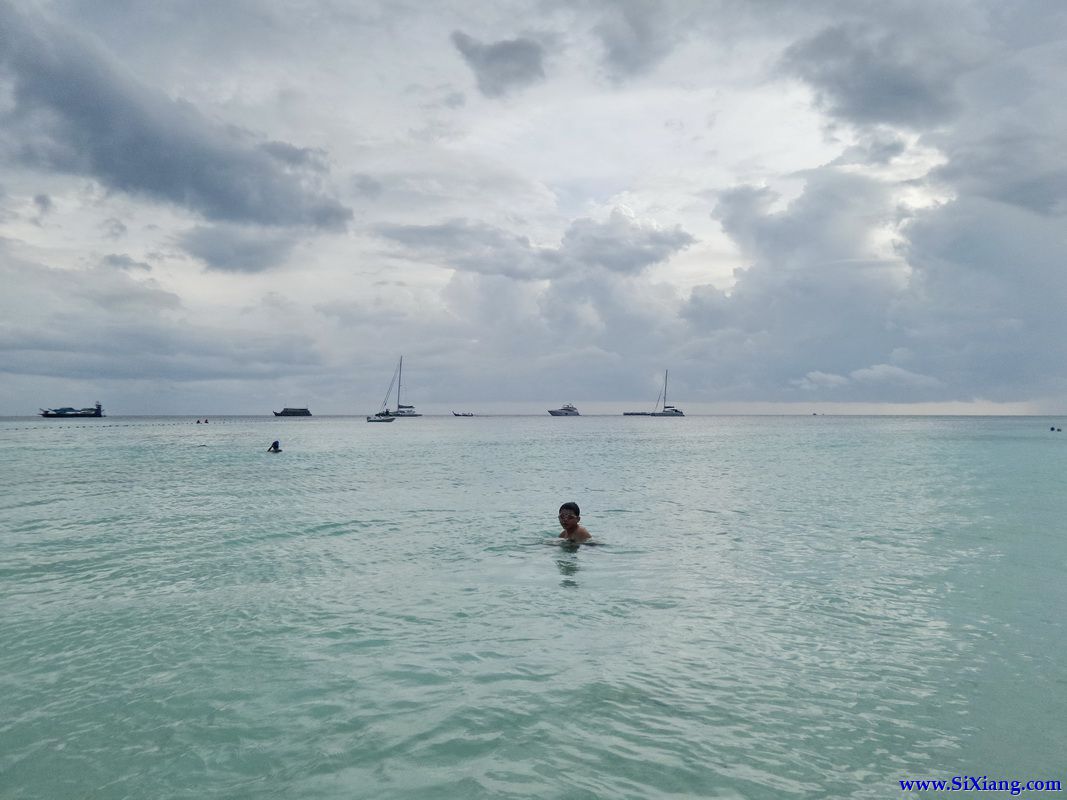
(782, 608)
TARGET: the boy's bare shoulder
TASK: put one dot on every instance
(580, 534)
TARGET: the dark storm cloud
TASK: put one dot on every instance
(77, 110)
(869, 77)
(502, 66)
(231, 248)
(621, 244)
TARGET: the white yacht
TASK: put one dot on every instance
(566, 410)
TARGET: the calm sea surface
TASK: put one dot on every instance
(782, 607)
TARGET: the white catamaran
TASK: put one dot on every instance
(665, 411)
(384, 414)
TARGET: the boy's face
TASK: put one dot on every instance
(568, 519)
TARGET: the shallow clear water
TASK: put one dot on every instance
(782, 607)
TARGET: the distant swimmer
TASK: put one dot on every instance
(569, 517)
(274, 447)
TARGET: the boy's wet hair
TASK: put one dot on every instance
(572, 507)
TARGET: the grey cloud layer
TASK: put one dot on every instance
(621, 245)
(812, 276)
(230, 248)
(638, 34)
(871, 77)
(969, 304)
(75, 110)
(102, 324)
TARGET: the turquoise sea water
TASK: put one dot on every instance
(782, 607)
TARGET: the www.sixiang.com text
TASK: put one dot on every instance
(971, 783)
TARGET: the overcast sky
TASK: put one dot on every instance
(212, 207)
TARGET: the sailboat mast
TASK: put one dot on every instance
(666, 372)
(399, 380)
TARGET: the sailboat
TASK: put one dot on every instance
(665, 411)
(384, 414)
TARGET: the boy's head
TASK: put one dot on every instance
(569, 514)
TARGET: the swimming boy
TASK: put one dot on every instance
(569, 516)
